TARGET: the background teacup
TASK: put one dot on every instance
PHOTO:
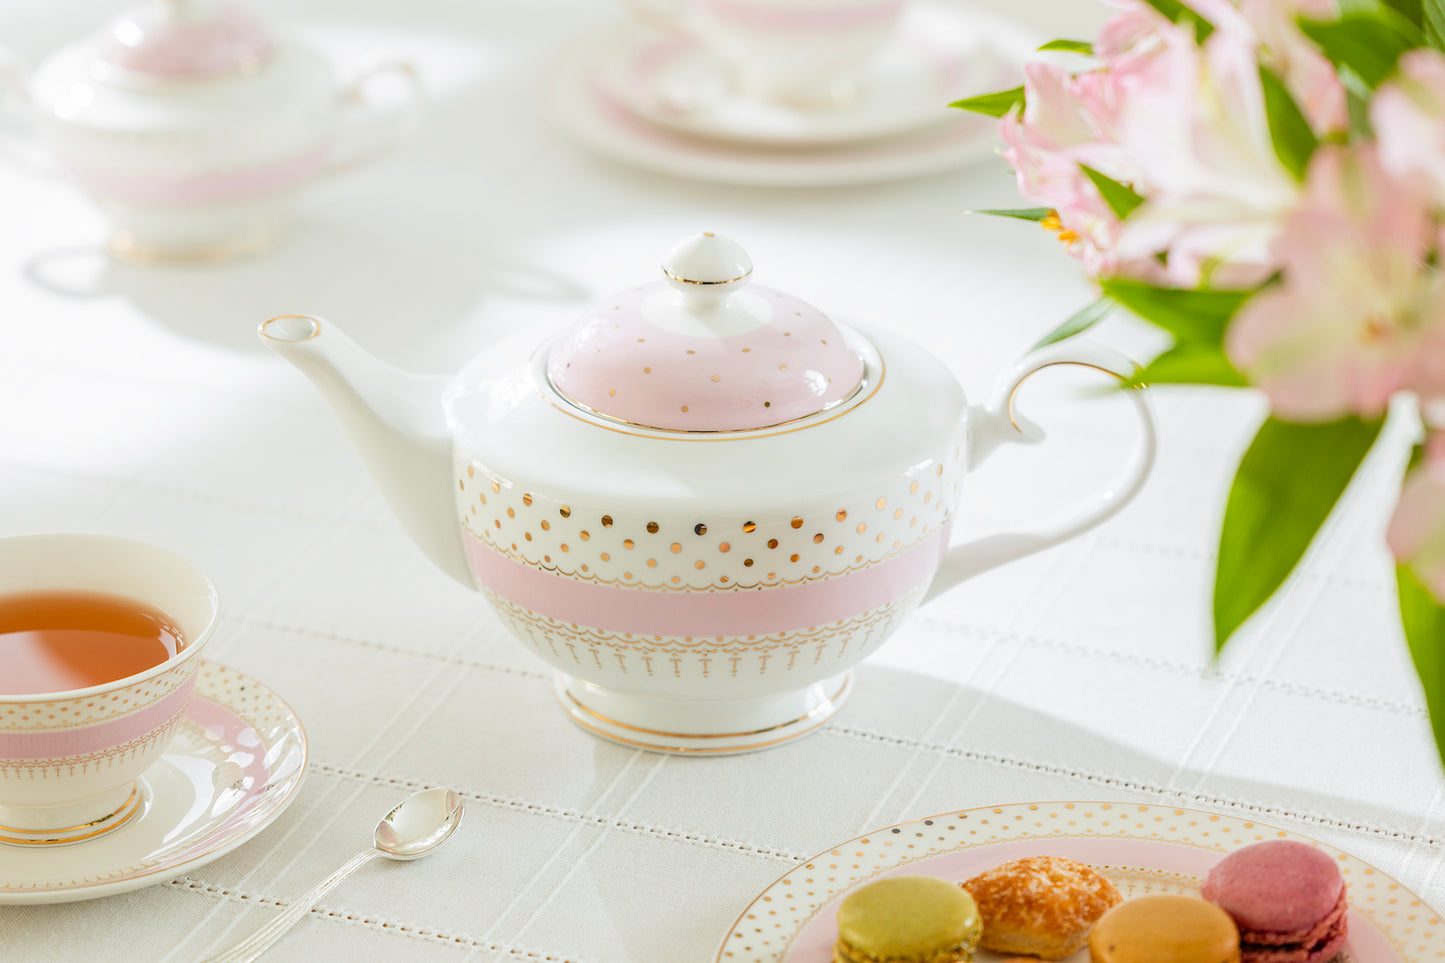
(805, 53)
(69, 761)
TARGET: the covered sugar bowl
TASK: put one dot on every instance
(702, 503)
(192, 126)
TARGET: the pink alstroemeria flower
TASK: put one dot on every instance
(1408, 114)
(1307, 72)
(1416, 534)
(1068, 121)
(1359, 315)
(1195, 126)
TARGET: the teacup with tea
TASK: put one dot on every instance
(100, 640)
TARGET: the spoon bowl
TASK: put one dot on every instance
(419, 824)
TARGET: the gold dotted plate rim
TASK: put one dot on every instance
(1143, 844)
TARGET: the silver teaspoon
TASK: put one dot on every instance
(413, 829)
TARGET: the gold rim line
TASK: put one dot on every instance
(829, 702)
(315, 327)
(1054, 364)
(131, 803)
(743, 434)
(692, 750)
(860, 386)
(746, 274)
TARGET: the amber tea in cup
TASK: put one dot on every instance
(101, 640)
(54, 641)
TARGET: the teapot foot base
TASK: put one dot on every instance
(701, 727)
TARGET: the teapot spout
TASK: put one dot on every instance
(395, 420)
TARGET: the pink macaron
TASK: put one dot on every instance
(1288, 899)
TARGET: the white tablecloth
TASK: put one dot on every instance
(137, 401)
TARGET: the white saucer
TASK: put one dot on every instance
(582, 107)
(234, 765)
(940, 54)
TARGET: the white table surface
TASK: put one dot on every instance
(137, 401)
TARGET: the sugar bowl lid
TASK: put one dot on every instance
(186, 39)
(703, 350)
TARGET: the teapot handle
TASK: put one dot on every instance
(368, 131)
(996, 424)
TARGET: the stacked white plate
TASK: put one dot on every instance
(661, 102)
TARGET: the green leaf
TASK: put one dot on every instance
(1294, 140)
(1121, 198)
(1366, 41)
(1357, 103)
(1021, 213)
(1177, 12)
(1287, 484)
(1424, 621)
(1070, 46)
(1433, 23)
(1172, 9)
(1079, 322)
(1190, 364)
(994, 105)
(1198, 317)
(1411, 10)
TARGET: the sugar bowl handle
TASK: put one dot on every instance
(19, 136)
(997, 424)
(369, 129)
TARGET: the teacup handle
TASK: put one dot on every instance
(18, 143)
(367, 133)
(997, 424)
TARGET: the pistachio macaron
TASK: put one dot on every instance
(907, 919)
(1165, 928)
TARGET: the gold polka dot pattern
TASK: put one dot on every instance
(88, 710)
(767, 547)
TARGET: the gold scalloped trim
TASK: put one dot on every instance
(546, 627)
(24, 717)
(485, 538)
(70, 765)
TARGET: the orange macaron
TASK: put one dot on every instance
(1165, 928)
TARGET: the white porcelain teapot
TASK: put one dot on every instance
(192, 126)
(704, 502)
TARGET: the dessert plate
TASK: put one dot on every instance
(232, 768)
(1142, 848)
(940, 53)
(580, 104)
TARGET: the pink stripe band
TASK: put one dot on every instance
(826, 17)
(152, 188)
(736, 613)
(104, 735)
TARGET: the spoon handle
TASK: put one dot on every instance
(257, 943)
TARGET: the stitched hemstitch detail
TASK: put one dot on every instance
(357, 640)
(1159, 793)
(572, 815)
(1177, 668)
(371, 922)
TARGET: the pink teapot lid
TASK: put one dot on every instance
(186, 39)
(703, 350)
